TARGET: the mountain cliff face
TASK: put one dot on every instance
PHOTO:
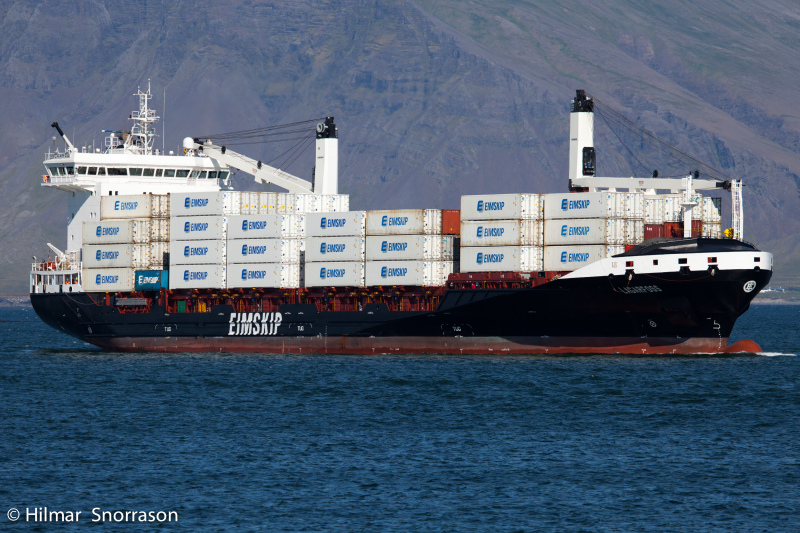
(433, 99)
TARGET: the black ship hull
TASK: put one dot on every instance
(678, 312)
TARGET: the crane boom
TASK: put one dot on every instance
(326, 172)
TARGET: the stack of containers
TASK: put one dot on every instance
(501, 232)
(407, 247)
(131, 237)
(582, 228)
(336, 249)
(664, 216)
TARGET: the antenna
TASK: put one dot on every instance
(164, 125)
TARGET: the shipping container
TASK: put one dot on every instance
(585, 205)
(501, 233)
(653, 209)
(117, 232)
(673, 229)
(634, 231)
(255, 226)
(292, 275)
(116, 256)
(712, 230)
(254, 251)
(561, 232)
(208, 252)
(451, 222)
(652, 231)
(107, 279)
(157, 252)
(160, 206)
(151, 280)
(410, 247)
(501, 259)
(408, 273)
(350, 223)
(712, 209)
(568, 258)
(405, 222)
(634, 205)
(292, 250)
(201, 228)
(501, 207)
(254, 275)
(197, 277)
(267, 203)
(293, 226)
(697, 228)
(334, 274)
(335, 249)
(204, 203)
(126, 206)
(286, 203)
(673, 212)
(321, 203)
(159, 230)
(249, 203)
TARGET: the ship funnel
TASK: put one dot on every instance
(582, 157)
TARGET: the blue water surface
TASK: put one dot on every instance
(402, 443)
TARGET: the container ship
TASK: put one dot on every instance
(163, 255)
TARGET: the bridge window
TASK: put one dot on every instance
(203, 175)
(70, 170)
(147, 172)
(212, 175)
(195, 173)
(181, 173)
(223, 175)
(53, 171)
(101, 171)
(117, 171)
(159, 172)
(92, 171)
(135, 171)
(169, 173)
(81, 170)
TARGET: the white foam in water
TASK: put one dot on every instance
(777, 354)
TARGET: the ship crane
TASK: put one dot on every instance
(582, 170)
(326, 178)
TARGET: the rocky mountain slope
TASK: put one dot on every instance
(433, 98)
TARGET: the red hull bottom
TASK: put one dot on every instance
(425, 345)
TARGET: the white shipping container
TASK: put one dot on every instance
(159, 229)
(293, 226)
(205, 227)
(712, 209)
(584, 231)
(673, 212)
(160, 206)
(348, 223)
(254, 251)
(568, 258)
(501, 233)
(634, 231)
(255, 226)
(584, 205)
(653, 209)
(712, 230)
(249, 203)
(634, 205)
(501, 207)
(157, 251)
(267, 203)
(410, 247)
(409, 273)
(292, 275)
(116, 256)
(286, 203)
(209, 252)
(116, 232)
(501, 259)
(107, 279)
(334, 274)
(197, 276)
(292, 250)
(204, 203)
(126, 206)
(254, 275)
(405, 222)
(335, 249)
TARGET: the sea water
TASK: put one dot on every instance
(399, 443)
